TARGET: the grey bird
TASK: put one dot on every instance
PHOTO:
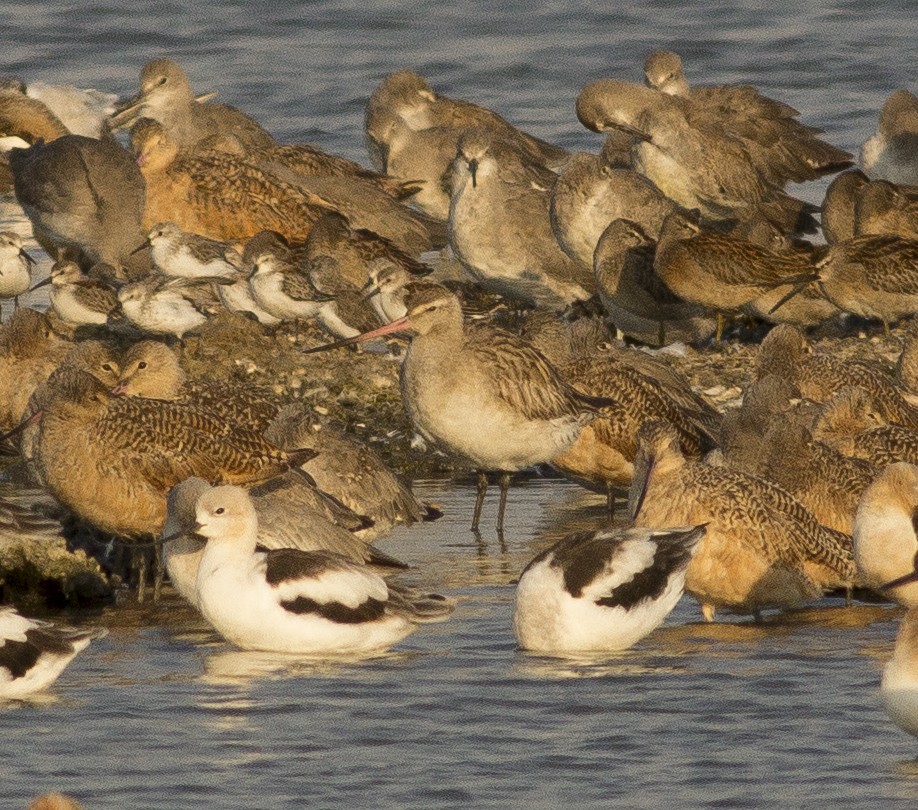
(891, 153)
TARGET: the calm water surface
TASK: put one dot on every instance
(161, 714)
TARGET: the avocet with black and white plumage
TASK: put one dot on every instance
(602, 591)
(286, 600)
(34, 653)
(899, 687)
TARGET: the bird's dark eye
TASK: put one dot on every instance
(142, 364)
(219, 511)
(162, 80)
(107, 367)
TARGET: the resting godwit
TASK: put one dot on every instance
(762, 548)
(303, 528)
(33, 653)
(839, 203)
(166, 96)
(890, 153)
(818, 375)
(601, 591)
(481, 393)
(287, 600)
(885, 539)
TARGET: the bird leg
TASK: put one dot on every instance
(140, 561)
(504, 488)
(158, 573)
(479, 500)
(610, 501)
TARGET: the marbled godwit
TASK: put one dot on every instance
(500, 227)
(15, 267)
(409, 96)
(819, 375)
(33, 654)
(602, 455)
(286, 600)
(601, 591)
(27, 119)
(29, 352)
(907, 365)
(112, 460)
(691, 160)
(482, 393)
(872, 276)
(216, 194)
(638, 302)
(822, 479)
(160, 305)
(885, 540)
(302, 528)
(899, 687)
(891, 153)
(838, 205)
(883, 207)
(151, 369)
(349, 470)
(762, 547)
(85, 195)
(79, 298)
(783, 148)
(852, 423)
(589, 194)
(54, 801)
(166, 96)
(720, 271)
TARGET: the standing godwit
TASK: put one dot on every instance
(481, 393)
(287, 600)
(601, 591)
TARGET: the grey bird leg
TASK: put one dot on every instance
(479, 500)
(504, 487)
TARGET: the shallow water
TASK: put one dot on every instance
(161, 714)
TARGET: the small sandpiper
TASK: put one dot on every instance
(15, 267)
(34, 653)
(79, 298)
(167, 306)
(602, 591)
(310, 603)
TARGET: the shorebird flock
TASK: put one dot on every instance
(678, 225)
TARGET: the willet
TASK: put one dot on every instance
(762, 547)
(287, 600)
(601, 591)
(891, 153)
(166, 96)
(33, 653)
(409, 96)
(500, 227)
